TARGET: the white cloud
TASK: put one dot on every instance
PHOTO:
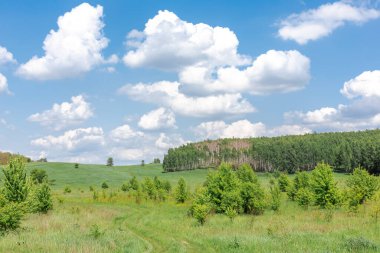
(73, 49)
(6, 56)
(244, 129)
(366, 84)
(73, 140)
(361, 113)
(124, 132)
(170, 43)
(63, 115)
(3, 84)
(167, 94)
(317, 23)
(274, 71)
(160, 118)
(164, 142)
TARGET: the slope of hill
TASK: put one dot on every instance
(344, 151)
(5, 156)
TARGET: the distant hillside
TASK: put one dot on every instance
(5, 157)
(344, 151)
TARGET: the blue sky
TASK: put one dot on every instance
(81, 81)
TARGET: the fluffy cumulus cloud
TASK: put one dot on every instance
(274, 71)
(244, 129)
(124, 132)
(322, 21)
(362, 111)
(169, 43)
(160, 118)
(73, 49)
(73, 140)
(6, 56)
(366, 84)
(167, 94)
(61, 116)
(164, 141)
(3, 84)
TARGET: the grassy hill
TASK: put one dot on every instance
(116, 223)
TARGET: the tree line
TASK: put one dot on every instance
(344, 151)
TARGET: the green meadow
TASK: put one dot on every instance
(115, 222)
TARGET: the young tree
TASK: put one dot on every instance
(362, 186)
(324, 187)
(283, 182)
(76, 165)
(110, 161)
(42, 201)
(181, 193)
(38, 176)
(142, 163)
(16, 186)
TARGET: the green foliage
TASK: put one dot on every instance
(323, 185)
(181, 193)
(149, 188)
(253, 198)
(104, 185)
(133, 183)
(246, 175)
(304, 197)
(142, 163)
(231, 213)
(110, 161)
(301, 181)
(42, 201)
(16, 186)
(76, 165)
(96, 232)
(200, 212)
(359, 244)
(125, 187)
(361, 187)
(283, 182)
(275, 194)
(344, 150)
(67, 189)
(11, 215)
(38, 176)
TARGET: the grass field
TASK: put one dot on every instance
(118, 224)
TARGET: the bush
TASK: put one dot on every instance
(10, 216)
(67, 190)
(149, 188)
(76, 165)
(104, 185)
(42, 201)
(324, 187)
(301, 181)
(253, 198)
(231, 213)
(201, 197)
(133, 183)
(38, 176)
(200, 212)
(181, 194)
(16, 187)
(125, 187)
(362, 186)
(359, 244)
(283, 182)
(275, 193)
(304, 197)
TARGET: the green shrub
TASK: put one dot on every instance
(275, 193)
(361, 187)
(181, 193)
(304, 197)
(67, 190)
(16, 186)
(133, 183)
(359, 244)
(253, 198)
(326, 192)
(246, 174)
(38, 176)
(220, 183)
(95, 232)
(42, 201)
(125, 187)
(76, 165)
(149, 188)
(231, 213)
(11, 215)
(200, 212)
(283, 182)
(104, 185)
(201, 197)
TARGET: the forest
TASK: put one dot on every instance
(344, 151)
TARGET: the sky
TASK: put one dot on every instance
(83, 81)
